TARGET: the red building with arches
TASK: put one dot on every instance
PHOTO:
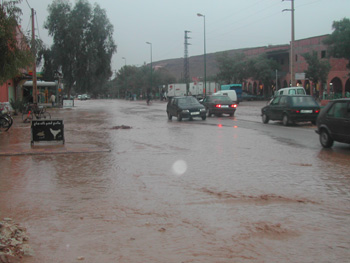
(338, 82)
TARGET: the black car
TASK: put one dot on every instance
(185, 107)
(290, 109)
(249, 96)
(333, 123)
(219, 104)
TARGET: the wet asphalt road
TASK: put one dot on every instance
(220, 190)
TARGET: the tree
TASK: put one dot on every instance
(263, 68)
(318, 70)
(136, 80)
(48, 72)
(339, 40)
(232, 69)
(82, 44)
(14, 51)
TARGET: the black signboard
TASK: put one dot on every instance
(47, 130)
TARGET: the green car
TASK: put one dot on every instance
(290, 109)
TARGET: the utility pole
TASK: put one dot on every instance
(35, 95)
(205, 57)
(186, 63)
(291, 62)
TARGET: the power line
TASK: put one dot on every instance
(240, 21)
(28, 4)
(36, 18)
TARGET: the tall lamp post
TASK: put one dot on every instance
(292, 77)
(205, 58)
(149, 43)
(126, 76)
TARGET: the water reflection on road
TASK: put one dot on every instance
(169, 191)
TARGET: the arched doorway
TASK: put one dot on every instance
(285, 84)
(336, 87)
(255, 90)
(307, 87)
(347, 88)
(250, 88)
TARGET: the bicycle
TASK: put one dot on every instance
(32, 110)
(6, 119)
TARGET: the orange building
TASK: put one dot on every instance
(10, 89)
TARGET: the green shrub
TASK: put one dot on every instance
(17, 105)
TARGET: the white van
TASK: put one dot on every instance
(291, 91)
(231, 93)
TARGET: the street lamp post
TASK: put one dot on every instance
(292, 77)
(205, 58)
(149, 43)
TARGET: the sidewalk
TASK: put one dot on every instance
(17, 141)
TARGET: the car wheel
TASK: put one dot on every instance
(209, 113)
(325, 139)
(204, 117)
(265, 118)
(313, 122)
(285, 120)
(231, 114)
(179, 118)
(169, 116)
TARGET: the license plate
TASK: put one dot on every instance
(195, 113)
(224, 106)
(306, 111)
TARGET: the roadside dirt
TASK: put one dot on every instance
(13, 242)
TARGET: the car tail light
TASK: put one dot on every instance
(296, 111)
(233, 106)
(316, 111)
(218, 106)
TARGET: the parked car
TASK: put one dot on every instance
(185, 107)
(219, 104)
(333, 123)
(230, 93)
(291, 91)
(248, 96)
(290, 109)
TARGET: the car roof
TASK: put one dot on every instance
(294, 95)
(217, 95)
(342, 99)
(180, 97)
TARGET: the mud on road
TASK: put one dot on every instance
(169, 191)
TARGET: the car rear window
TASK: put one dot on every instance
(339, 110)
(303, 101)
(301, 91)
(188, 100)
(221, 98)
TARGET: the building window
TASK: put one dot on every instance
(282, 61)
(296, 57)
(323, 54)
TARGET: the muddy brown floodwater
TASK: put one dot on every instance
(220, 190)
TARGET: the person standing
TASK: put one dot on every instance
(52, 99)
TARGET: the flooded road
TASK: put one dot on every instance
(220, 190)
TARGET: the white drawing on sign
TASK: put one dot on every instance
(40, 134)
(54, 133)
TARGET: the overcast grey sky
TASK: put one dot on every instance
(230, 24)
